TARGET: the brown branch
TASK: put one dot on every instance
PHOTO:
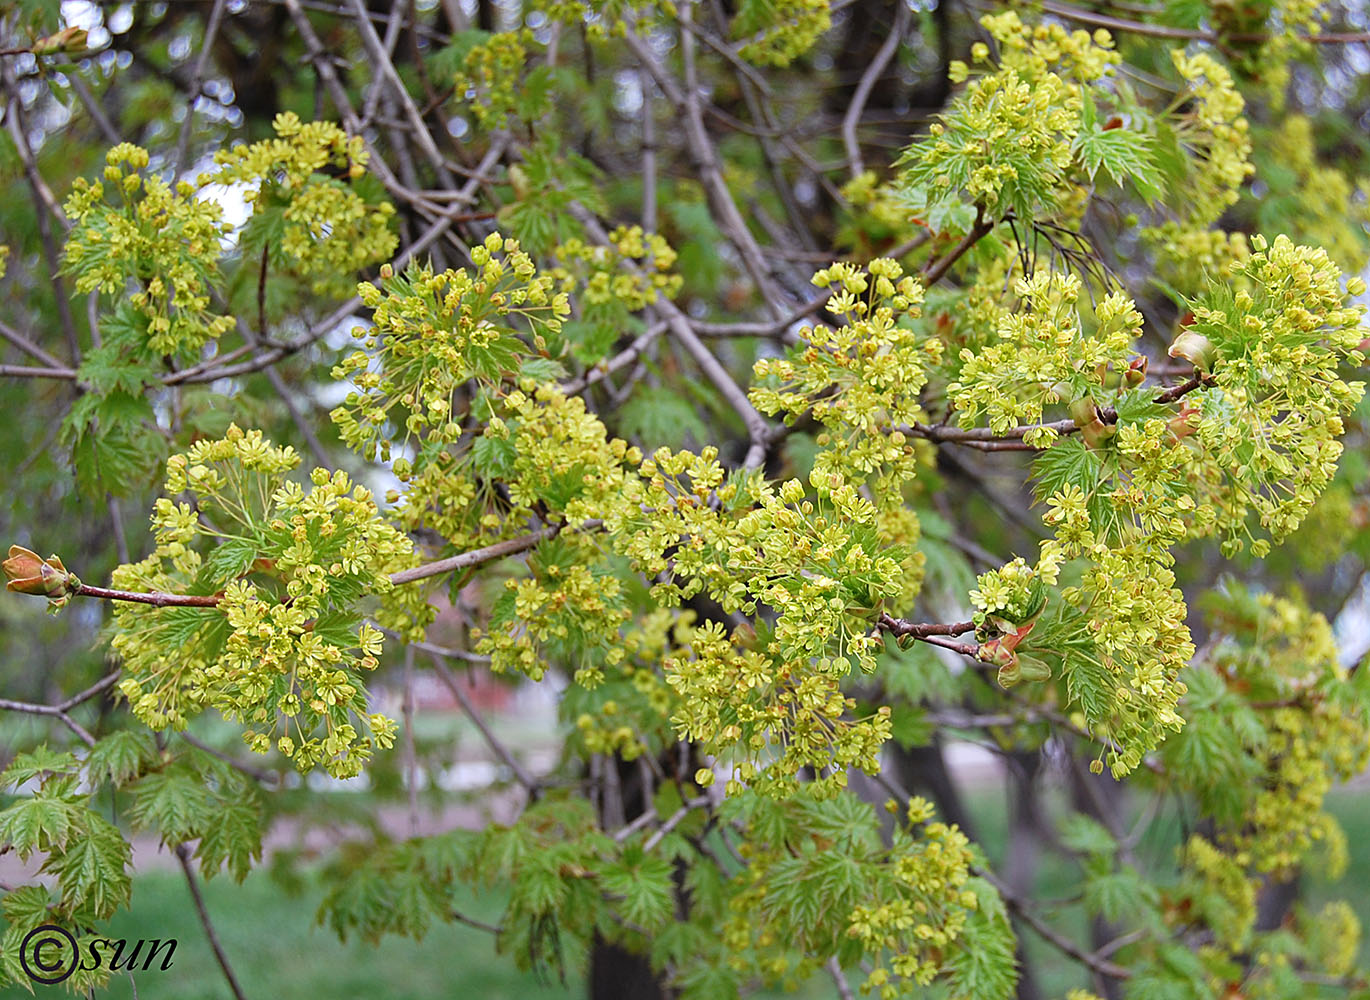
(839, 978)
(933, 634)
(902, 627)
(476, 557)
(868, 80)
(934, 272)
(25, 371)
(29, 347)
(491, 740)
(1098, 20)
(1094, 962)
(154, 597)
(769, 329)
(605, 368)
(183, 856)
(1012, 439)
(16, 121)
(60, 710)
(260, 775)
(197, 83)
(479, 925)
(674, 820)
(970, 649)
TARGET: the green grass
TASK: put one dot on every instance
(278, 951)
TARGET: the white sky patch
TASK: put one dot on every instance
(86, 15)
(628, 92)
(229, 197)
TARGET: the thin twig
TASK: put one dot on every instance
(673, 821)
(767, 329)
(492, 741)
(834, 967)
(29, 347)
(154, 597)
(1049, 934)
(257, 774)
(196, 88)
(922, 630)
(476, 557)
(411, 761)
(934, 272)
(60, 710)
(183, 856)
(23, 371)
(868, 81)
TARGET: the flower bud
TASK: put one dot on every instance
(1195, 348)
(1136, 372)
(744, 636)
(70, 40)
(1032, 669)
(996, 653)
(1083, 411)
(1180, 425)
(1096, 432)
(43, 578)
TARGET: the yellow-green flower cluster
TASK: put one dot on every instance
(903, 907)
(879, 214)
(1034, 50)
(1006, 145)
(1312, 202)
(777, 33)
(564, 465)
(283, 648)
(438, 331)
(628, 710)
(1218, 892)
(1214, 130)
(1136, 616)
(1262, 41)
(743, 707)
(924, 917)
(1314, 730)
(1188, 257)
(1120, 640)
(1013, 592)
(1010, 143)
(491, 75)
(1334, 933)
(1124, 640)
(860, 380)
(1279, 349)
(1210, 130)
(327, 230)
(565, 605)
(633, 268)
(820, 565)
(132, 227)
(1044, 355)
(562, 456)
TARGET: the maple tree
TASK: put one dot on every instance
(806, 384)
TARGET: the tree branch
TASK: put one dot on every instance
(1094, 962)
(868, 81)
(183, 856)
(492, 741)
